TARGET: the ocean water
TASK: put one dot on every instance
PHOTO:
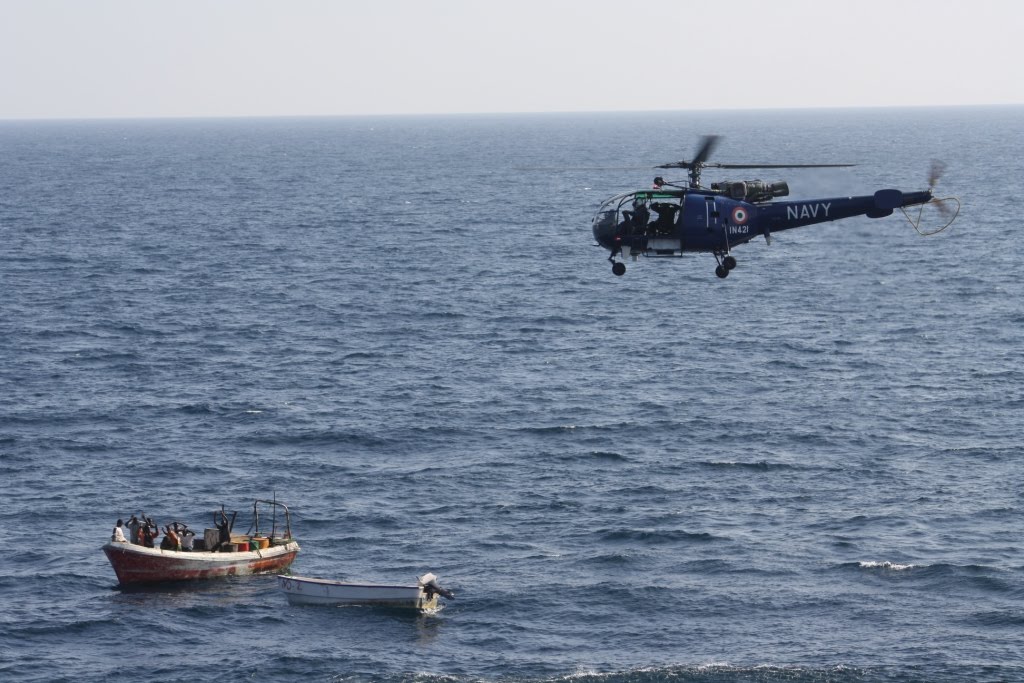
(810, 471)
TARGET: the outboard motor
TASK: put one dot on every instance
(431, 587)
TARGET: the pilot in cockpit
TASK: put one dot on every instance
(641, 215)
(635, 221)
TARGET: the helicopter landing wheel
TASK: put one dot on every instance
(722, 272)
(729, 262)
(619, 268)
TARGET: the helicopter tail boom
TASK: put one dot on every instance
(794, 214)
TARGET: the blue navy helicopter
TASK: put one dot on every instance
(691, 218)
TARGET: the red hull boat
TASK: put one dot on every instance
(135, 564)
(252, 553)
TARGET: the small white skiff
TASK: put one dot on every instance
(307, 591)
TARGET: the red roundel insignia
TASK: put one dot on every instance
(740, 215)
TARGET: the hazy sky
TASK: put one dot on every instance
(136, 58)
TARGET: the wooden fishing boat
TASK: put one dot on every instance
(251, 553)
(308, 591)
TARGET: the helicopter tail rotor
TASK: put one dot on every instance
(935, 172)
(948, 207)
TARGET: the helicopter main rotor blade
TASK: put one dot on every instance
(716, 165)
(708, 144)
(713, 164)
(550, 169)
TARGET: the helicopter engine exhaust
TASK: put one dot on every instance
(752, 190)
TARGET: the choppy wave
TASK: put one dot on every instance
(886, 565)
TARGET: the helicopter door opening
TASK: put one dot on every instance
(664, 237)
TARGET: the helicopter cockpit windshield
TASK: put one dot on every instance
(643, 213)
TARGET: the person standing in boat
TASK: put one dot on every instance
(187, 537)
(224, 528)
(149, 533)
(133, 530)
(171, 541)
(118, 534)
